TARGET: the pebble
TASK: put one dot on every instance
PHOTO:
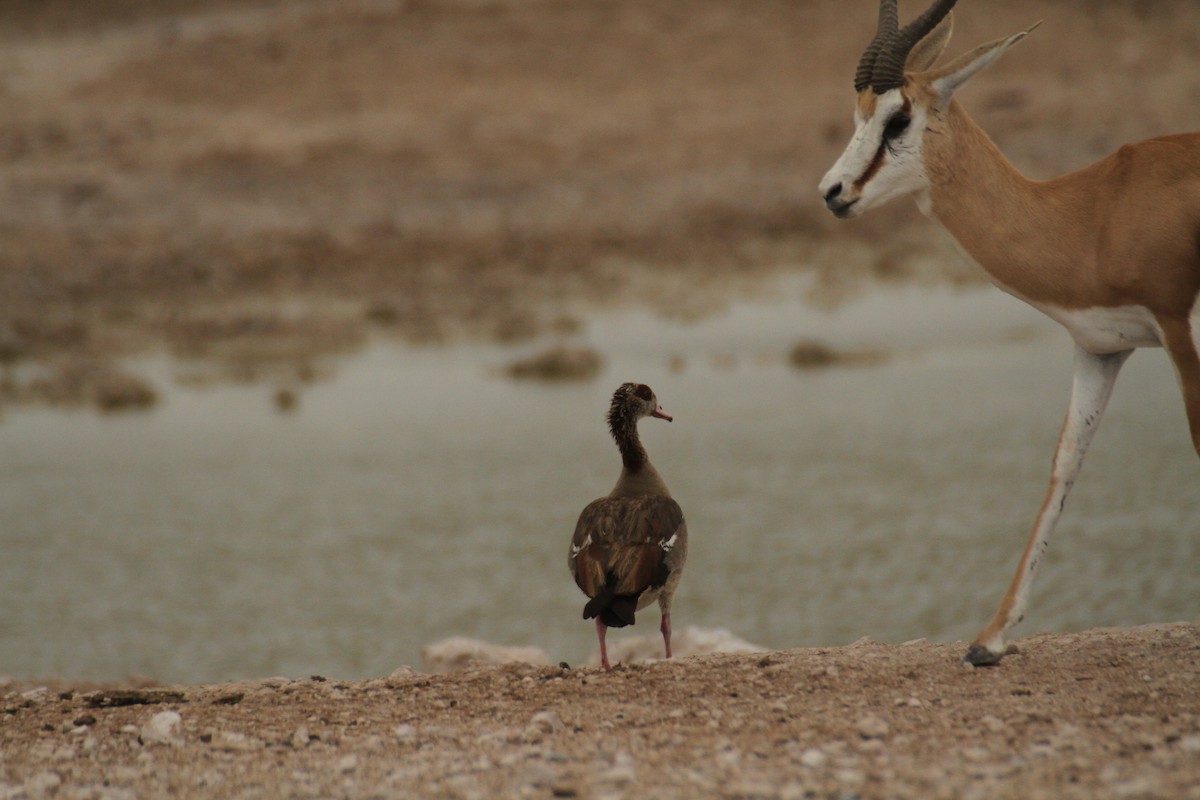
(1043, 750)
(405, 734)
(35, 695)
(851, 777)
(347, 763)
(233, 742)
(814, 758)
(402, 673)
(622, 771)
(546, 721)
(993, 724)
(1135, 787)
(165, 727)
(976, 755)
(872, 727)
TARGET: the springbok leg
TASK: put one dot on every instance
(1091, 387)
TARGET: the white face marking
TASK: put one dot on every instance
(880, 163)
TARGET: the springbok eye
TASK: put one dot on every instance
(896, 126)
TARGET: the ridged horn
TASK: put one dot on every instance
(889, 24)
(888, 72)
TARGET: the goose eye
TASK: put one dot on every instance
(896, 126)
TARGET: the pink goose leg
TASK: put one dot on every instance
(601, 629)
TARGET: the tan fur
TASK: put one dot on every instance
(867, 101)
(1123, 231)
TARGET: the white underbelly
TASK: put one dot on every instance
(1108, 330)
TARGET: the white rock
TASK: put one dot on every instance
(402, 673)
(1141, 786)
(813, 758)
(622, 771)
(405, 733)
(546, 721)
(210, 779)
(976, 755)
(348, 763)
(234, 742)
(300, 737)
(497, 738)
(872, 727)
(541, 725)
(35, 695)
(691, 641)
(851, 777)
(459, 652)
(993, 723)
(165, 727)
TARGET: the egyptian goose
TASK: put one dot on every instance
(629, 547)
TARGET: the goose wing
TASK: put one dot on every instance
(626, 543)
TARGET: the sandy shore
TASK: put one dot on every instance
(1106, 713)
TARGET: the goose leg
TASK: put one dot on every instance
(1090, 390)
(601, 629)
(665, 627)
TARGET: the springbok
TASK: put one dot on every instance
(1111, 252)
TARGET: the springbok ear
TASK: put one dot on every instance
(946, 80)
(929, 49)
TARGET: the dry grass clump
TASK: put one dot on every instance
(558, 363)
(813, 354)
(79, 381)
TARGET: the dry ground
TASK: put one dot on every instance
(1107, 713)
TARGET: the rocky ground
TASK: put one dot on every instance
(1107, 713)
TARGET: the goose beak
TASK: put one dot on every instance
(658, 412)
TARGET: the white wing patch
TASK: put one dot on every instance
(667, 544)
(577, 549)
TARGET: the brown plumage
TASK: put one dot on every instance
(629, 547)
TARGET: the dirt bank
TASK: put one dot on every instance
(1107, 713)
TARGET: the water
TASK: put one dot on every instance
(419, 496)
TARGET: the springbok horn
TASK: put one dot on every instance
(889, 23)
(889, 66)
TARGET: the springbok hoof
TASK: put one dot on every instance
(979, 656)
